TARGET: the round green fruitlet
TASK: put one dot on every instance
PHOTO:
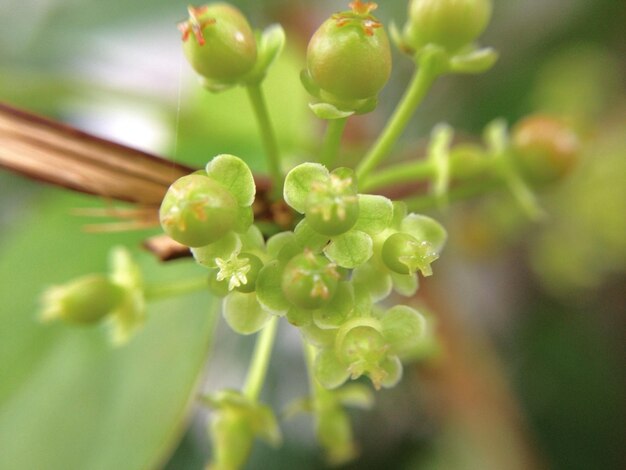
(349, 55)
(219, 42)
(83, 301)
(451, 24)
(404, 254)
(197, 211)
(545, 148)
(309, 281)
(332, 206)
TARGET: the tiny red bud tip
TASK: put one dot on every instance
(194, 24)
(361, 8)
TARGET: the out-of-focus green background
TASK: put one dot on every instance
(534, 314)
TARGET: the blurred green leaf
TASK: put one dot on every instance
(67, 399)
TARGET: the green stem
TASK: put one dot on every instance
(319, 395)
(332, 141)
(268, 137)
(463, 166)
(260, 360)
(413, 96)
(176, 288)
(519, 189)
(431, 201)
(400, 173)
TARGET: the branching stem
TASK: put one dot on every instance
(413, 96)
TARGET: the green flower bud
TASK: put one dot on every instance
(232, 438)
(404, 254)
(219, 42)
(334, 433)
(82, 301)
(450, 24)
(545, 148)
(309, 281)
(236, 422)
(197, 211)
(349, 55)
(332, 205)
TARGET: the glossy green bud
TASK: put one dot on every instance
(82, 301)
(332, 205)
(232, 438)
(451, 24)
(545, 148)
(349, 55)
(334, 432)
(219, 42)
(404, 254)
(309, 281)
(197, 211)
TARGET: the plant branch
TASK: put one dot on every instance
(260, 360)
(166, 290)
(423, 78)
(332, 141)
(268, 137)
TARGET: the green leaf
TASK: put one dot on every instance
(477, 61)
(277, 242)
(270, 44)
(244, 220)
(328, 112)
(375, 213)
(309, 238)
(67, 399)
(329, 370)
(400, 211)
(299, 182)
(393, 368)
(252, 239)
(350, 249)
(233, 173)
(223, 248)
(336, 312)
(269, 288)
(356, 395)
(299, 317)
(243, 313)
(374, 280)
(405, 284)
(403, 328)
(425, 228)
(317, 337)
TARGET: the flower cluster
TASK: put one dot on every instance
(333, 273)
(326, 277)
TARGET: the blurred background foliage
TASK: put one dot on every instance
(533, 314)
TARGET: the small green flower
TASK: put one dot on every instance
(240, 270)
